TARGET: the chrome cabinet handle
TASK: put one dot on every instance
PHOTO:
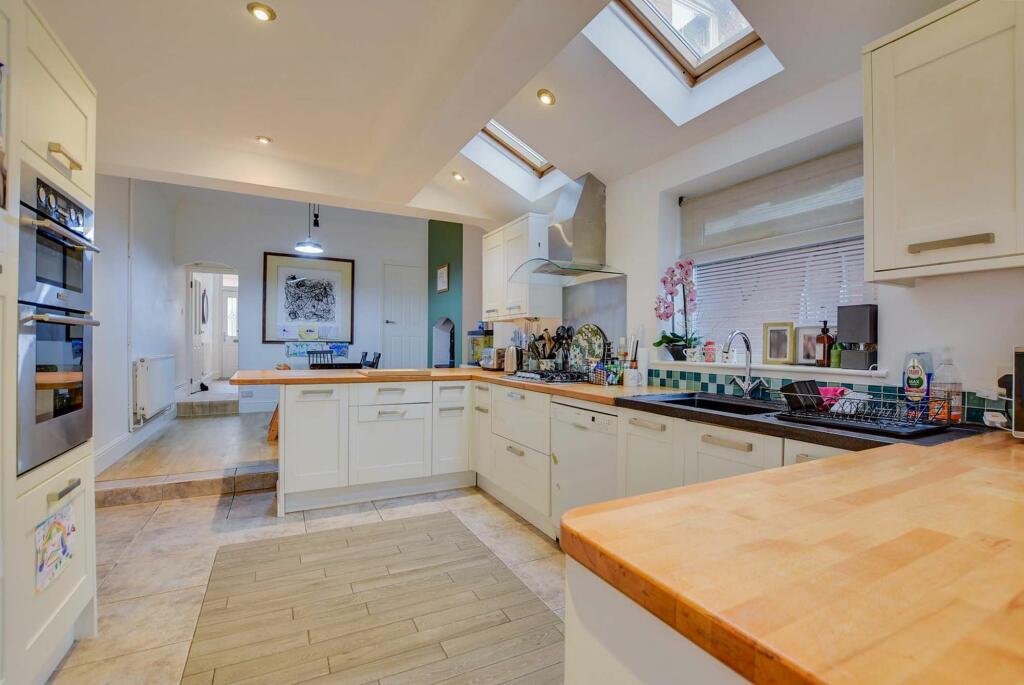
(581, 426)
(945, 243)
(67, 490)
(75, 240)
(515, 450)
(649, 425)
(390, 412)
(66, 320)
(316, 393)
(482, 410)
(483, 388)
(727, 443)
(380, 390)
(450, 409)
(453, 387)
(516, 396)
(58, 149)
(801, 458)
(490, 311)
(513, 306)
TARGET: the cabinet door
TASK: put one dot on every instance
(451, 429)
(517, 251)
(648, 460)
(493, 275)
(944, 154)
(315, 437)
(713, 452)
(389, 442)
(480, 447)
(524, 473)
(797, 452)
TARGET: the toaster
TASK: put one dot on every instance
(493, 359)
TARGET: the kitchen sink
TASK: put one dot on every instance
(712, 402)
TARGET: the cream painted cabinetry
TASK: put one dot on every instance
(648, 454)
(522, 416)
(944, 143)
(389, 442)
(480, 444)
(797, 452)
(59, 124)
(451, 427)
(315, 437)
(713, 452)
(504, 251)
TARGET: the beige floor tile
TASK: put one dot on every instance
(110, 548)
(129, 518)
(101, 572)
(193, 511)
(153, 574)
(463, 498)
(134, 625)
(405, 507)
(159, 666)
(546, 578)
(341, 517)
(258, 504)
(516, 545)
(487, 517)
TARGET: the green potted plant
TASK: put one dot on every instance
(677, 283)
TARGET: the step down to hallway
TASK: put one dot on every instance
(262, 476)
(188, 409)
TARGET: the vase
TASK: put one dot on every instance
(678, 352)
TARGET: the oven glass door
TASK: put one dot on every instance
(53, 269)
(54, 392)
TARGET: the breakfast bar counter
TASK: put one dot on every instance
(894, 565)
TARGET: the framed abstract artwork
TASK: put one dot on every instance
(307, 298)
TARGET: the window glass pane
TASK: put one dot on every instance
(515, 144)
(705, 26)
(231, 316)
(229, 280)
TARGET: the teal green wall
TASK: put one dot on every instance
(444, 246)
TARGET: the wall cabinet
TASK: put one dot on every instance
(315, 437)
(943, 146)
(648, 459)
(480, 445)
(389, 442)
(712, 452)
(522, 416)
(451, 427)
(797, 452)
(504, 251)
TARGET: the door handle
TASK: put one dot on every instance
(801, 458)
(959, 241)
(54, 497)
(388, 321)
(737, 445)
(58, 149)
(66, 320)
(515, 450)
(649, 425)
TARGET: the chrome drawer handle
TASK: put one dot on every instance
(515, 450)
(453, 387)
(482, 410)
(490, 311)
(945, 243)
(380, 390)
(316, 393)
(801, 458)
(58, 149)
(390, 412)
(516, 396)
(581, 426)
(67, 490)
(450, 409)
(483, 388)
(726, 443)
(66, 320)
(513, 306)
(649, 425)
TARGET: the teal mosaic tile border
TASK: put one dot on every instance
(721, 384)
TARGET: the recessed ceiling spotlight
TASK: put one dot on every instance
(458, 177)
(261, 12)
(546, 97)
(264, 140)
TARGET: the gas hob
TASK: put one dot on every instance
(550, 376)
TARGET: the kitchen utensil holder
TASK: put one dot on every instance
(600, 376)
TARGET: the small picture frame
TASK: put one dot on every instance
(779, 343)
(807, 344)
(442, 278)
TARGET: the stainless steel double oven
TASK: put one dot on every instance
(54, 322)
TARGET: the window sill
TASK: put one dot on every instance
(794, 371)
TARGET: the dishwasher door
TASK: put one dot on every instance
(584, 456)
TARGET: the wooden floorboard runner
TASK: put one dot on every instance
(410, 601)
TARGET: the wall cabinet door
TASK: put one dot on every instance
(451, 429)
(517, 251)
(712, 452)
(389, 442)
(943, 147)
(480, 447)
(315, 437)
(648, 459)
(493, 266)
(797, 452)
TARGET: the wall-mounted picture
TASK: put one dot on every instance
(307, 298)
(442, 278)
(778, 343)
(806, 344)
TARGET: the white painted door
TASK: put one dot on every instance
(405, 317)
(493, 275)
(195, 323)
(229, 329)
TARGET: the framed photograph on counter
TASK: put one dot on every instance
(807, 344)
(779, 345)
(307, 298)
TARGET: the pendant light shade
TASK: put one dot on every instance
(308, 245)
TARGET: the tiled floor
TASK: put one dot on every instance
(219, 390)
(154, 561)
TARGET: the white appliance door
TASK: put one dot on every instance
(583, 458)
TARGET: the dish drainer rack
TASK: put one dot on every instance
(891, 416)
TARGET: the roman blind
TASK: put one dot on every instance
(803, 285)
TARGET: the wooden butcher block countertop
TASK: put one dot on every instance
(901, 564)
(580, 391)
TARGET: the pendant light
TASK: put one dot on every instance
(310, 246)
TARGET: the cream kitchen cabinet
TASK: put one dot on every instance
(59, 106)
(798, 452)
(493, 266)
(480, 443)
(944, 143)
(389, 442)
(522, 416)
(713, 452)
(504, 251)
(315, 436)
(648, 454)
(451, 427)
(524, 473)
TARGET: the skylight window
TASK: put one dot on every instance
(698, 34)
(515, 147)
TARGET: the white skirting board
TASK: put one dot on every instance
(332, 497)
(536, 518)
(609, 638)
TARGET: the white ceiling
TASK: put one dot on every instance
(369, 102)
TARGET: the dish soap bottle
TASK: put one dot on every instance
(917, 374)
(946, 391)
(837, 356)
(823, 346)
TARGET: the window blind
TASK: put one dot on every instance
(803, 285)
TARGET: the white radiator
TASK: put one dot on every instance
(154, 385)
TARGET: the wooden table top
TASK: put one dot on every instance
(580, 391)
(895, 565)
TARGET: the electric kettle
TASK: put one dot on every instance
(513, 359)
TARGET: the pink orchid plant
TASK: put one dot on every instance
(677, 286)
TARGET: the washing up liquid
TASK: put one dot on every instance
(946, 391)
(917, 376)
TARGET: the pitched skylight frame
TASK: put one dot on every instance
(517, 148)
(695, 69)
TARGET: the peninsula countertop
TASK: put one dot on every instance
(898, 564)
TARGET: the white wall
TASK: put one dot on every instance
(979, 315)
(235, 230)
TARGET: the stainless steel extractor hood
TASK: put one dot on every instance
(576, 235)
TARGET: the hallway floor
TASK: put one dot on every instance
(154, 563)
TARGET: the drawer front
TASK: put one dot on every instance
(522, 416)
(758, 451)
(45, 616)
(482, 394)
(393, 393)
(524, 472)
(389, 442)
(452, 392)
(797, 452)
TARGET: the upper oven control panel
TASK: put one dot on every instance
(52, 203)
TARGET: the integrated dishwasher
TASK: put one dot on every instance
(584, 457)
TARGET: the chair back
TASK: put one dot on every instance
(362, 360)
(376, 360)
(320, 357)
